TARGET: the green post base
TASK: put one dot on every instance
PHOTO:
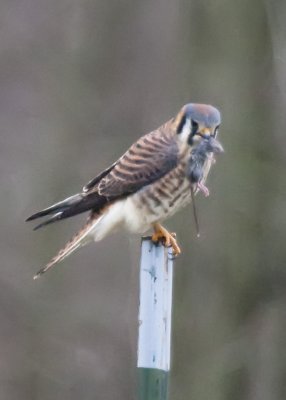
(153, 384)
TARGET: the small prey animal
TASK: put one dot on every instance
(200, 156)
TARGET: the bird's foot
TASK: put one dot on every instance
(166, 238)
(204, 189)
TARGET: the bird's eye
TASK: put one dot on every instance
(195, 127)
(215, 131)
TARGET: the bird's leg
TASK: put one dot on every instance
(168, 239)
(204, 189)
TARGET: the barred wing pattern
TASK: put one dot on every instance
(147, 160)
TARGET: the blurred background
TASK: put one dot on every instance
(79, 82)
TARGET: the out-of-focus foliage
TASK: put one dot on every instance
(79, 82)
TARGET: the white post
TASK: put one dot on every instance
(154, 341)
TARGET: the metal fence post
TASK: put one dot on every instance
(155, 310)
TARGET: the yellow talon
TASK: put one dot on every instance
(166, 238)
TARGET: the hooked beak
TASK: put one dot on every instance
(205, 133)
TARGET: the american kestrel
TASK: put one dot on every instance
(148, 184)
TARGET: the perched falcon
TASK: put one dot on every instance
(148, 184)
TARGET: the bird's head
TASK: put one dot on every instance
(195, 122)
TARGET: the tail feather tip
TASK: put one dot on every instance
(39, 273)
(31, 217)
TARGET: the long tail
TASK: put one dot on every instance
(81, 238)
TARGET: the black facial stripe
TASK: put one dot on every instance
(190, 140)
(181, 124)
(215, 132)
(195, 127)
